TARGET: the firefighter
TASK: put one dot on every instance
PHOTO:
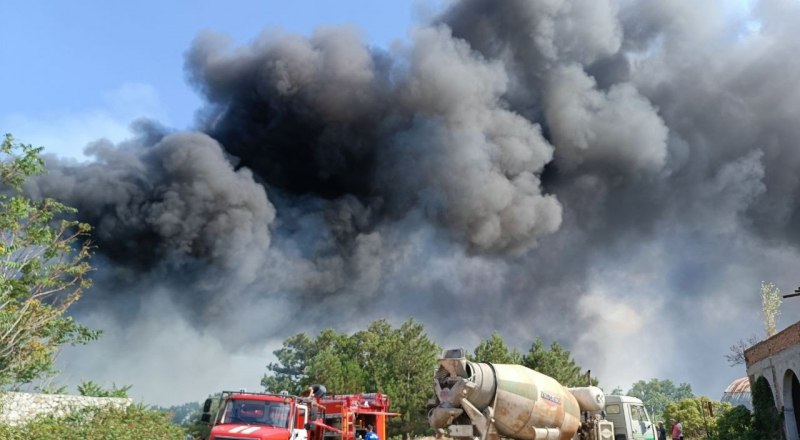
(370, 435)
(315, 390)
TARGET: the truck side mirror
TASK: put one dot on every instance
(205, 418)
(207, 405)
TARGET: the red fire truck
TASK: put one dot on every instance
(264, 416)
(351, 414)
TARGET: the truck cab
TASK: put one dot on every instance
(262, 416)
(630, 418)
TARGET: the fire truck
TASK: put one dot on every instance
(351, 414)
(241, 415)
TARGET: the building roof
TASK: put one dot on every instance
(741, 385)
(738, 393)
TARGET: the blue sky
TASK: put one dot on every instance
(74, 71)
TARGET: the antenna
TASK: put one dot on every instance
(791, 295)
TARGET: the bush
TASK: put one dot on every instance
(767, 421)
(135, 422)
(736, 424)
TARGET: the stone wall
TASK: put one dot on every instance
(17, 408)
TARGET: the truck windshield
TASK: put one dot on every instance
(256, 412)
(639, 420)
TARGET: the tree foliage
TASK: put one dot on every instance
(184, 413)
(289, 373)
(400, 362)
(494, 350)
(767, 421)
(92, 389)
(697, 422)
(396, 361)
(736, 424)
(656, 394)
(43, 271)
(557, 363)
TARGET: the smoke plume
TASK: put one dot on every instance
(615, 175)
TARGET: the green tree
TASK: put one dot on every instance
(43, 271)
(767, 421)
(398, 362)
(736, 424)
(494, 350)
(289, 373)
(557, 363)
(89, 388)
(377, 346)
(413, 364)
(656, 394)
(697, 422)
(184, 413)
(335, 364)
(331, 359)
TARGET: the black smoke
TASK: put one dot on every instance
(593, 172)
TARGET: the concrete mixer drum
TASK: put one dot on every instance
(490, 401)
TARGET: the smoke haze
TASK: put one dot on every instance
(618, 176)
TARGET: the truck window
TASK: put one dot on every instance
(639, 421)
(612, 409)
(278, 415)
(255, 412)
(636, 427)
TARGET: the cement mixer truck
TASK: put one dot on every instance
(489, 401)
